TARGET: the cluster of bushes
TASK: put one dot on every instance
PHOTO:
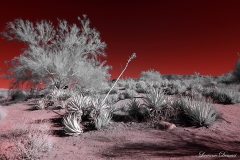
(159, 107)
(78, 107)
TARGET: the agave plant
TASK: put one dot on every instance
(155, 100)
(56, 93)
(101, 113)
(72, 124)
(201, 113)
(78, 103)
(136, 110)
(103, 118)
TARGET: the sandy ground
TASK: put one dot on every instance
(131, 140)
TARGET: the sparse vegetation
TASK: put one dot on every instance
(91, 100)
(31, 141)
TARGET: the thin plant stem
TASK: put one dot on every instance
(132, 57)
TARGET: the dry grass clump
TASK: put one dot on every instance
(30, 141)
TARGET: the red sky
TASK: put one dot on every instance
(169, 36)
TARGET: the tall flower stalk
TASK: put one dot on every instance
(130, 58)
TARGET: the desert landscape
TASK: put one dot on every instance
(61, 103)
(28, 131)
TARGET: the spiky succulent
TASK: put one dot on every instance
(78, 102)
(136, 110)
(201, 113)
(101, 113)
(155, 98)
(72, 124)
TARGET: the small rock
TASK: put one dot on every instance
(163, 125)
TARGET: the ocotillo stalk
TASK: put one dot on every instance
(130, 58)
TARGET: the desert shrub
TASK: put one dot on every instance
(197, 88)
(181, 89)
(150, 75)
(17, 95)
(32, 141)
(57, 57)
(208, 91)
(130, 85)
(91, 78)
(59, 94)
(197, 78)
(137, 111)
(228, 78)
(226, 96)
(235, 96)
(122, 96)
(209, 78)
(195, 94)
(112, 98)
(176, 86)
(129, 93)
(141, 86)
(188, 83)
(36, 93)
(170, 89)
(164, 83)
(121, 83)
(150, 84)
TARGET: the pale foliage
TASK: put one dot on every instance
(57, 57)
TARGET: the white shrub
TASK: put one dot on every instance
(57, 57)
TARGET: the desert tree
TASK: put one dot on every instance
(56, 57)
